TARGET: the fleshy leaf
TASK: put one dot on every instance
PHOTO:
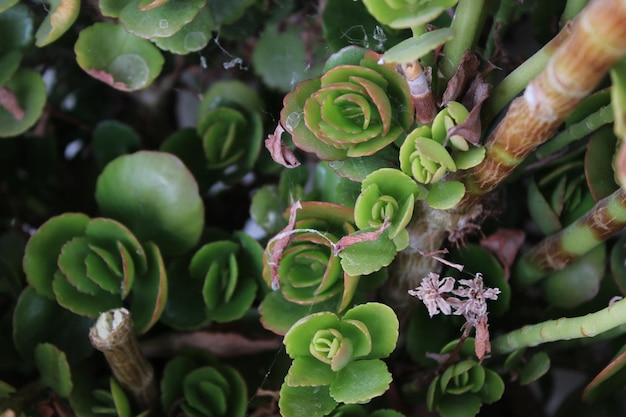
(110, 54)
(159, 22)
(149, 291)
(536, 367)
(309, 372)
(444, 195)
(29, 92)
(365, 257)
(280, 59)
(279, 315)
(153, 194)
(360, 381)
(54, 369)
(42, 250)
(305, 401)
(16, 27)
(414, 48)
(37, 319)
(193, 37)
(381, 323)
(62, 15)
(299, 337)
(598, 159)
(111, 139)
(578, 282)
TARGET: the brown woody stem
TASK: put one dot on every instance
(596, 43)
(114, 336)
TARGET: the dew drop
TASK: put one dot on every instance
(292, 121)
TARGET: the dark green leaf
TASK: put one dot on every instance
(153, 194)
(54, 369)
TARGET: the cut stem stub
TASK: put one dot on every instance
(114, 336)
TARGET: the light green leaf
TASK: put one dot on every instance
(61, 16)
(414, 48)
(445, 195)
(360, 381)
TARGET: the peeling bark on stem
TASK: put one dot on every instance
(113, 335)
(605, 219)
(575, 69)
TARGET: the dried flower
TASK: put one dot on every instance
(468, 300)
(475, 305)
(432, 292)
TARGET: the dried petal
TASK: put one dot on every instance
(280, 242)
(281, 153)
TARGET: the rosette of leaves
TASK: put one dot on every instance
(429, 153)
(407, 13)
(338, 360)
(227, 141)
(218, 283)
(355, 109)
(308, 273)
(386, 201)
(94, 265)
(463, 388)
(195, 384)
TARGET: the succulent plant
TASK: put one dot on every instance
(93, 265)
(355, 109)
(463, 388)
(333, 357)
(196, 384)
(218, 283)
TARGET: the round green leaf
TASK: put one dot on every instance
(536, 367)
(382, 325)
(493, 388)
(348, 23)
(360, 381)
(445, 195)
(111, 139)
(43, 248)
(16, 27)
(110, 54)
(364, 258)
(280, 59)
(279, 315)
(466, 405)
(9, 63)
(29, 92)
(299, 337)
(159, 22)
(226, 12)
(62, 14)
(578, 282)
(112, 8)
(305, 401)
(192, 37)
(307, 371)
(54, 369)
(37, 319)
(155, 195)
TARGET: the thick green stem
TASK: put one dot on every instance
(514, 83)
(562, 329)
(467, 25)
(605, 219)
